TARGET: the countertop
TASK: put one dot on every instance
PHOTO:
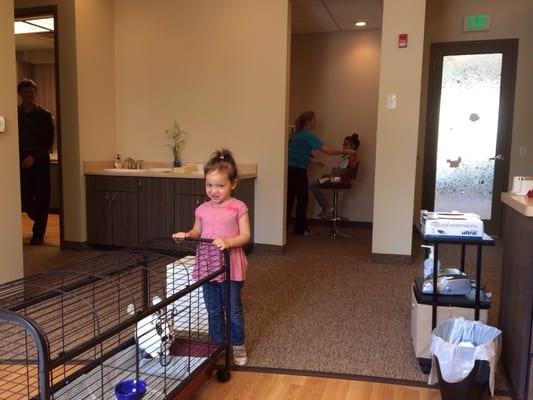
(522, 204)
(246, 171)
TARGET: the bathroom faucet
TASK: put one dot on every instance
(130, 163)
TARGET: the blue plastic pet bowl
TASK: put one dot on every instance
(130, 389)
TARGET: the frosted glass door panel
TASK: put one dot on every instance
(467, 133)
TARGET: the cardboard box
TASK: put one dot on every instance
(451, 224)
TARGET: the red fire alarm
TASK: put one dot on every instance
(402, 40)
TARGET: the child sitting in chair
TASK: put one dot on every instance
(339, 173)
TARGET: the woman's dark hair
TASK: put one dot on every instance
(303, 119)
(26, 83)
(353, 141)
(222, 160)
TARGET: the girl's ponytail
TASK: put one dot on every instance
(353, 140)
(222, 160)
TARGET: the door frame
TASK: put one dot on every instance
(509, 48)
(34, 12)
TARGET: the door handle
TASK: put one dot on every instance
(498, 157)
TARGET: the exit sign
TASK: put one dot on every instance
(474, 23)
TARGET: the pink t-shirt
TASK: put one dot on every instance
(220, 221)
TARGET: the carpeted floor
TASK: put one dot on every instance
(325, 306)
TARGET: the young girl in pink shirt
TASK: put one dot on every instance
(225, 220)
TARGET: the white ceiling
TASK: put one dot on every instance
(317, 16)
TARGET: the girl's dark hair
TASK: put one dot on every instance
(303, 119)
(353, 141)
(222, 160)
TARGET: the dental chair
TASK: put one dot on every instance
(335, 187)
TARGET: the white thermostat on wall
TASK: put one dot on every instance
(2, 124)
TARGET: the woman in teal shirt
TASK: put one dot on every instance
(301, 145)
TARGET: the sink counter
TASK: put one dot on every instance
(155, 170)
(522, 204)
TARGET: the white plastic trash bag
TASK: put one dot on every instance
(458, 343)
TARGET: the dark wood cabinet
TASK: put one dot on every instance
(516, 302)
(245, 191)
(124, 212)
(129, 211)
(188, 194)
(99, 226)
(156, 208)
(184, 213)
(112, 210)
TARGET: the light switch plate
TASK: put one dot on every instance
(523, 151)
(391, 101)
(2, 124)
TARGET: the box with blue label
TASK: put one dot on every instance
(451, 224)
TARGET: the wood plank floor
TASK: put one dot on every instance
(51, 238)
(266, 386)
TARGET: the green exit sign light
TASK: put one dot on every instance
(473, 23)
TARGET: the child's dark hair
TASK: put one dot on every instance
(222, 160)
(353, 141)
(303, 119)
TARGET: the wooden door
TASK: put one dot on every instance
(469, 126)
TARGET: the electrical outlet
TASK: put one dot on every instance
(523, 151)
(2, 124)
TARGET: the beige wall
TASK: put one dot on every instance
(36, 56)
(397, 130)
(220, 69)
(95, 58)
(510, 19)
(11, 266)
(337, 76)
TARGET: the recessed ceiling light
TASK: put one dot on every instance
(360, 24)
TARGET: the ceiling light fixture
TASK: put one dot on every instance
(360, 24)
(34, 25)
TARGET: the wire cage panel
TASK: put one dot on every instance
(137, 314)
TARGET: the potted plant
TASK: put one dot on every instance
(176, 136)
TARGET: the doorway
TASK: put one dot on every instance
(37, 59)
(469, 126)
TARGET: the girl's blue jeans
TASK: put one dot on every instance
(214, 293)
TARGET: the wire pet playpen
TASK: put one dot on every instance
(130, 316)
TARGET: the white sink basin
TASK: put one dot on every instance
(125, 170)
(160, 169)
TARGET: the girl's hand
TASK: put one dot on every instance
(179, 236)
(221, 243)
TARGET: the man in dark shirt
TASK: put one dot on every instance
(36, 135)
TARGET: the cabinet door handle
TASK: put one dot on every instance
(106, 197)
(113, 198)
